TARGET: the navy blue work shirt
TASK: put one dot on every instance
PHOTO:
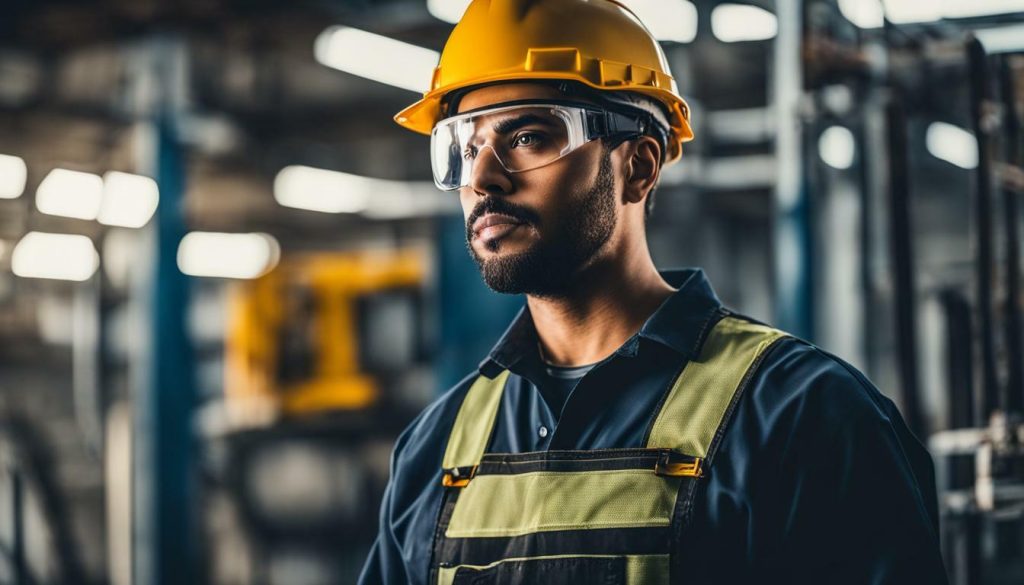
(817, 479)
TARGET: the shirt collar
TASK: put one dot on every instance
(680, 323)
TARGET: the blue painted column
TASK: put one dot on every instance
(173, 391)
(793, 236)
(165, 508)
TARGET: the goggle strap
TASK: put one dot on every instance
(603, 123)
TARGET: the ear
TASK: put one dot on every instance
(642, 168)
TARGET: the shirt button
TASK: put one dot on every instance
(542, 431)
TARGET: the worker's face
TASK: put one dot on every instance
(545, 225)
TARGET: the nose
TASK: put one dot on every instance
(488, 176)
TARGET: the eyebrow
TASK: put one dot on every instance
(512, 124)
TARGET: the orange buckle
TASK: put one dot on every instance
(458, 477)
(692, 467)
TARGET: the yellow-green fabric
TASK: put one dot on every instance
(513, 505)
(640, 569)
(508, 505)
(647, 570)
(695, 406)
(473, 424)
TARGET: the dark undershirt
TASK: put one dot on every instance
(556, 383)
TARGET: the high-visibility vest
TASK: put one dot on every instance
(603, 516)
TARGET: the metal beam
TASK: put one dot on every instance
(794, 294)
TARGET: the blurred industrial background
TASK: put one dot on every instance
(227, 281)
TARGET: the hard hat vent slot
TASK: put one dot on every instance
(554, 60)
(613, 73)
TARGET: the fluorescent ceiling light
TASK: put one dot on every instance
(1005, 39)
(70, 194)
(128, 200)
(837, 147)
(733, 23)
(13, 174)
(975, 8)
(322, 190)
(221, 255)
(908, 11)
(55, 256)
(668, 20)
(863, 13)
(376, 57)
(448, 10)
(916, 11)
(952, 144)
(335, 192)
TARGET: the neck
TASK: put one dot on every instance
(611, 303)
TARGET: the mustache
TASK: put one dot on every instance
(502, 206)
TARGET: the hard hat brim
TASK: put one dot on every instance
(421, 116)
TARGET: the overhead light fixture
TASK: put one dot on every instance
(55, 256)
(321, 190)
(918, 11)
(450, 11)
(70, 194)
(223, 255)
(732, 23)
(976, 8)
(13, 174)
(326, 191)
(1003, 39)
(128, 200)
(837, 147)
(668, 20)
(952, 144)
(863, 13)
(376, 57)
(910, 11)
(913, 11)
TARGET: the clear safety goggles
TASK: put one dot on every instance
(522, 136)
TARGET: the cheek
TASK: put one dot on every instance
(468, 199)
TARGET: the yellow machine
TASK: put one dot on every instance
(293, 340)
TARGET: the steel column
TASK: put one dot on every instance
(794, 288)
(984, 245)
(168, 504)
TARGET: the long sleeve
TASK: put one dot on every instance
(384, 564)
(818, 480)
(860, 508)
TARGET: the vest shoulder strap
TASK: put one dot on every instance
(473, 423)
(694, 409)
(703, 395)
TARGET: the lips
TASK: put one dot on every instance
(494, 225)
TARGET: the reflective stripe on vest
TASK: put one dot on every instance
(614, 515)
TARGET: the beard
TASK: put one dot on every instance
(550, 267)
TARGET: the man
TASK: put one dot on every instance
(627, 428)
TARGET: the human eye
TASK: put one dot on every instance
(469, 152)
(528, 140)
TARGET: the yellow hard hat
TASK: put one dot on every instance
(599, 43)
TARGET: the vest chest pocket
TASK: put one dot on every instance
(516, 495)
(586, 517)
(550, 571)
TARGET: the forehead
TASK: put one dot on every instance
(506, 92)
